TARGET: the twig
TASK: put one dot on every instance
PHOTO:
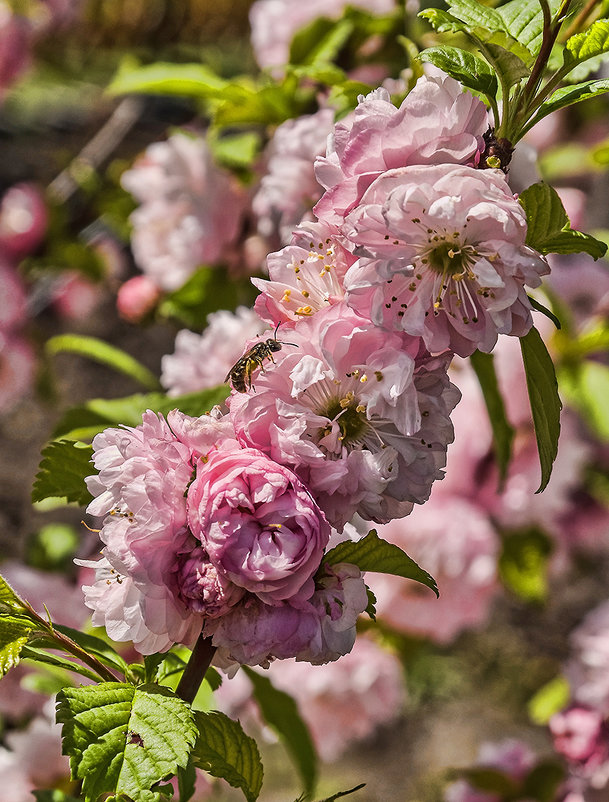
(194, 673)
(97, 150)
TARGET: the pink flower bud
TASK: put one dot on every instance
(137, 297)
(23, 220)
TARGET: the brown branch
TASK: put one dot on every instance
(195, 670)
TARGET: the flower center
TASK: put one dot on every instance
(450, 259)
(350, 417)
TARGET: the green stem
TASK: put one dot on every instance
(195, 670)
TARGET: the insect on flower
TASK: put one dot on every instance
(240, 375)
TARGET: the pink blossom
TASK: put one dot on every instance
(455, 541)
(442, 256)
(581, 735)
(143, 475)
(258, 524)
(588, 669)
(358, 413)
(319, 630)
(75, 297)
(15, 36)
(345, 700)
(201, 361)
(37, 750)
(275, 22)
(437, 123)
(288, 189)
(137, 298)
(17, 370)
(190, 209)
(305, 276)
(23, 220)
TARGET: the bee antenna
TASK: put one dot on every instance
(276, 329)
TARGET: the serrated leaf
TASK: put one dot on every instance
(567, 96)
(544, 399)
(13, 637)
(371, 608)
(549, 699)
(465, 67)
(372, 553)
(225, 751)
(101, 413)
(183, 80)
(548, 227)
(62, 472)
(523, 564)
(510, 67)
(106, 354)
(503, 431)
(523, 19)
(280, 711)
(588, 44)
(476, 15)
(122, 739)
(10, 599)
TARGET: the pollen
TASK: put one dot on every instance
(305, 311)
(360, 408)
(364, 378)
(305, 293)
(379, 375)
(347, 400)
(286, 295)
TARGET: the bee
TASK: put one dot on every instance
(240, 375)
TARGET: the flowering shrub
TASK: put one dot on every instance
(236, 520)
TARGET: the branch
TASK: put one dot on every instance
(195, 670)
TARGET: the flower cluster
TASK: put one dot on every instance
(220, 524)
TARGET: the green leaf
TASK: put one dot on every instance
(543, 781)
(523, 19)
(187, 779)
(54, 795)
(465, 67)
(503, 431)
(100, 413)
(236, 150)
(30, 652)
(320, 41)
(280, 711)
(9, 599)
(488, 780)
(371, 553)
(53, 547)
(206, 291)
(510, 67)
(549, 699)
(225, 751)
(213, 678)
(105, 353)
(183, 80)
(371, 608)
(548, 227)
(567, 96)
(62, 472)
(544, 311)
(476, 15)
(123, 739)
(544, 399)
(99, 648)
(523, 564)
(588, 44)
(246, 103)
(13, 637)
(586, 387)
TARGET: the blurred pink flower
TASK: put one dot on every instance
(13, 313)
(288, 190)
(456, 543)
(17, 370)
(437, 123)
(190, 209)
(357, 413)
(23, 220)
(275, 22)
(346, 700)
(588, 668)
(442, 256)
(581, 735)
(75, 297)
(305, 276)
(15, 39)
(201, 361)
(136, 298)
